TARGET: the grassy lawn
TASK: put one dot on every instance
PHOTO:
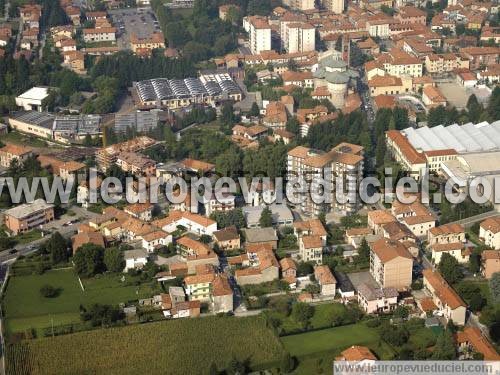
(322, 317)
(25, 308)
(23, 139)
(28, 237)
(334, 340)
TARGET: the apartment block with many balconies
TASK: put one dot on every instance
(342, 163)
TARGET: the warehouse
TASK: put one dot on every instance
(466, 138)
(179, 93)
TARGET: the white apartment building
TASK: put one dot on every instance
(299, 37)
(259, 32)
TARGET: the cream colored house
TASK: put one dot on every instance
(444, 296)
(456, 249)
(326, 280)
(391, 264)
(490, 263)
(377, 300)
(489, 232)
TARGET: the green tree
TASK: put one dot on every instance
(287, 363)
(474, 108)
(254, 110)
(227, 119)
(48, 291)
(235, 367)
(401, 312)
(57, 247)
(113, 259)
(445, 347)
(477, 302)
(266, 218)
(364, 251)
(450, 269)
(475, 262)
(293, 125)
(302, 313)
(495, 286)
(89, 260)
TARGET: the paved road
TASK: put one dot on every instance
(469, 221)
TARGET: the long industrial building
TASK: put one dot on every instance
(178, 93)
(459, 152)
(62, 128)
(462, 138)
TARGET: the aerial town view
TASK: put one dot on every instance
(249, 186)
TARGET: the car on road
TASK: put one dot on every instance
(13, 251)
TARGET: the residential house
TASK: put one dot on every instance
(489, 232)
(142, 211)
(299, 79)
(325, 279)
(471, 340)
(155, 239)
(433, 97)
(444, 296)
(227, 238)
(193, 223)
(103, 34)
(264, 266)
(377, 300)
(11, 152)
(418, 218)
(134, 259)
(261, 236)
(490, 263)
(289, 271)
(222, 295)
(82, 238)
(378, 218)
(311, 235)
(198, 287)
(276, 115)
(153, 41)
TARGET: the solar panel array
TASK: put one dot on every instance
(463, 138)
(167, 89)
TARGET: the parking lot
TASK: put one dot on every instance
(455, 94)
(141, 22)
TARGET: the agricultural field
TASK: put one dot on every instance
(330, 342)
(184, 346)
(25, 308)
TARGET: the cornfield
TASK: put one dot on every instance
(186, 346)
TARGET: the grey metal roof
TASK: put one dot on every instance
(463, 138)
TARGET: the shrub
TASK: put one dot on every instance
(48, 291)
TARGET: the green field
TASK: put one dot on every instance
(25, 308)
(183, 346)
(334, 340)
(322, 317)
